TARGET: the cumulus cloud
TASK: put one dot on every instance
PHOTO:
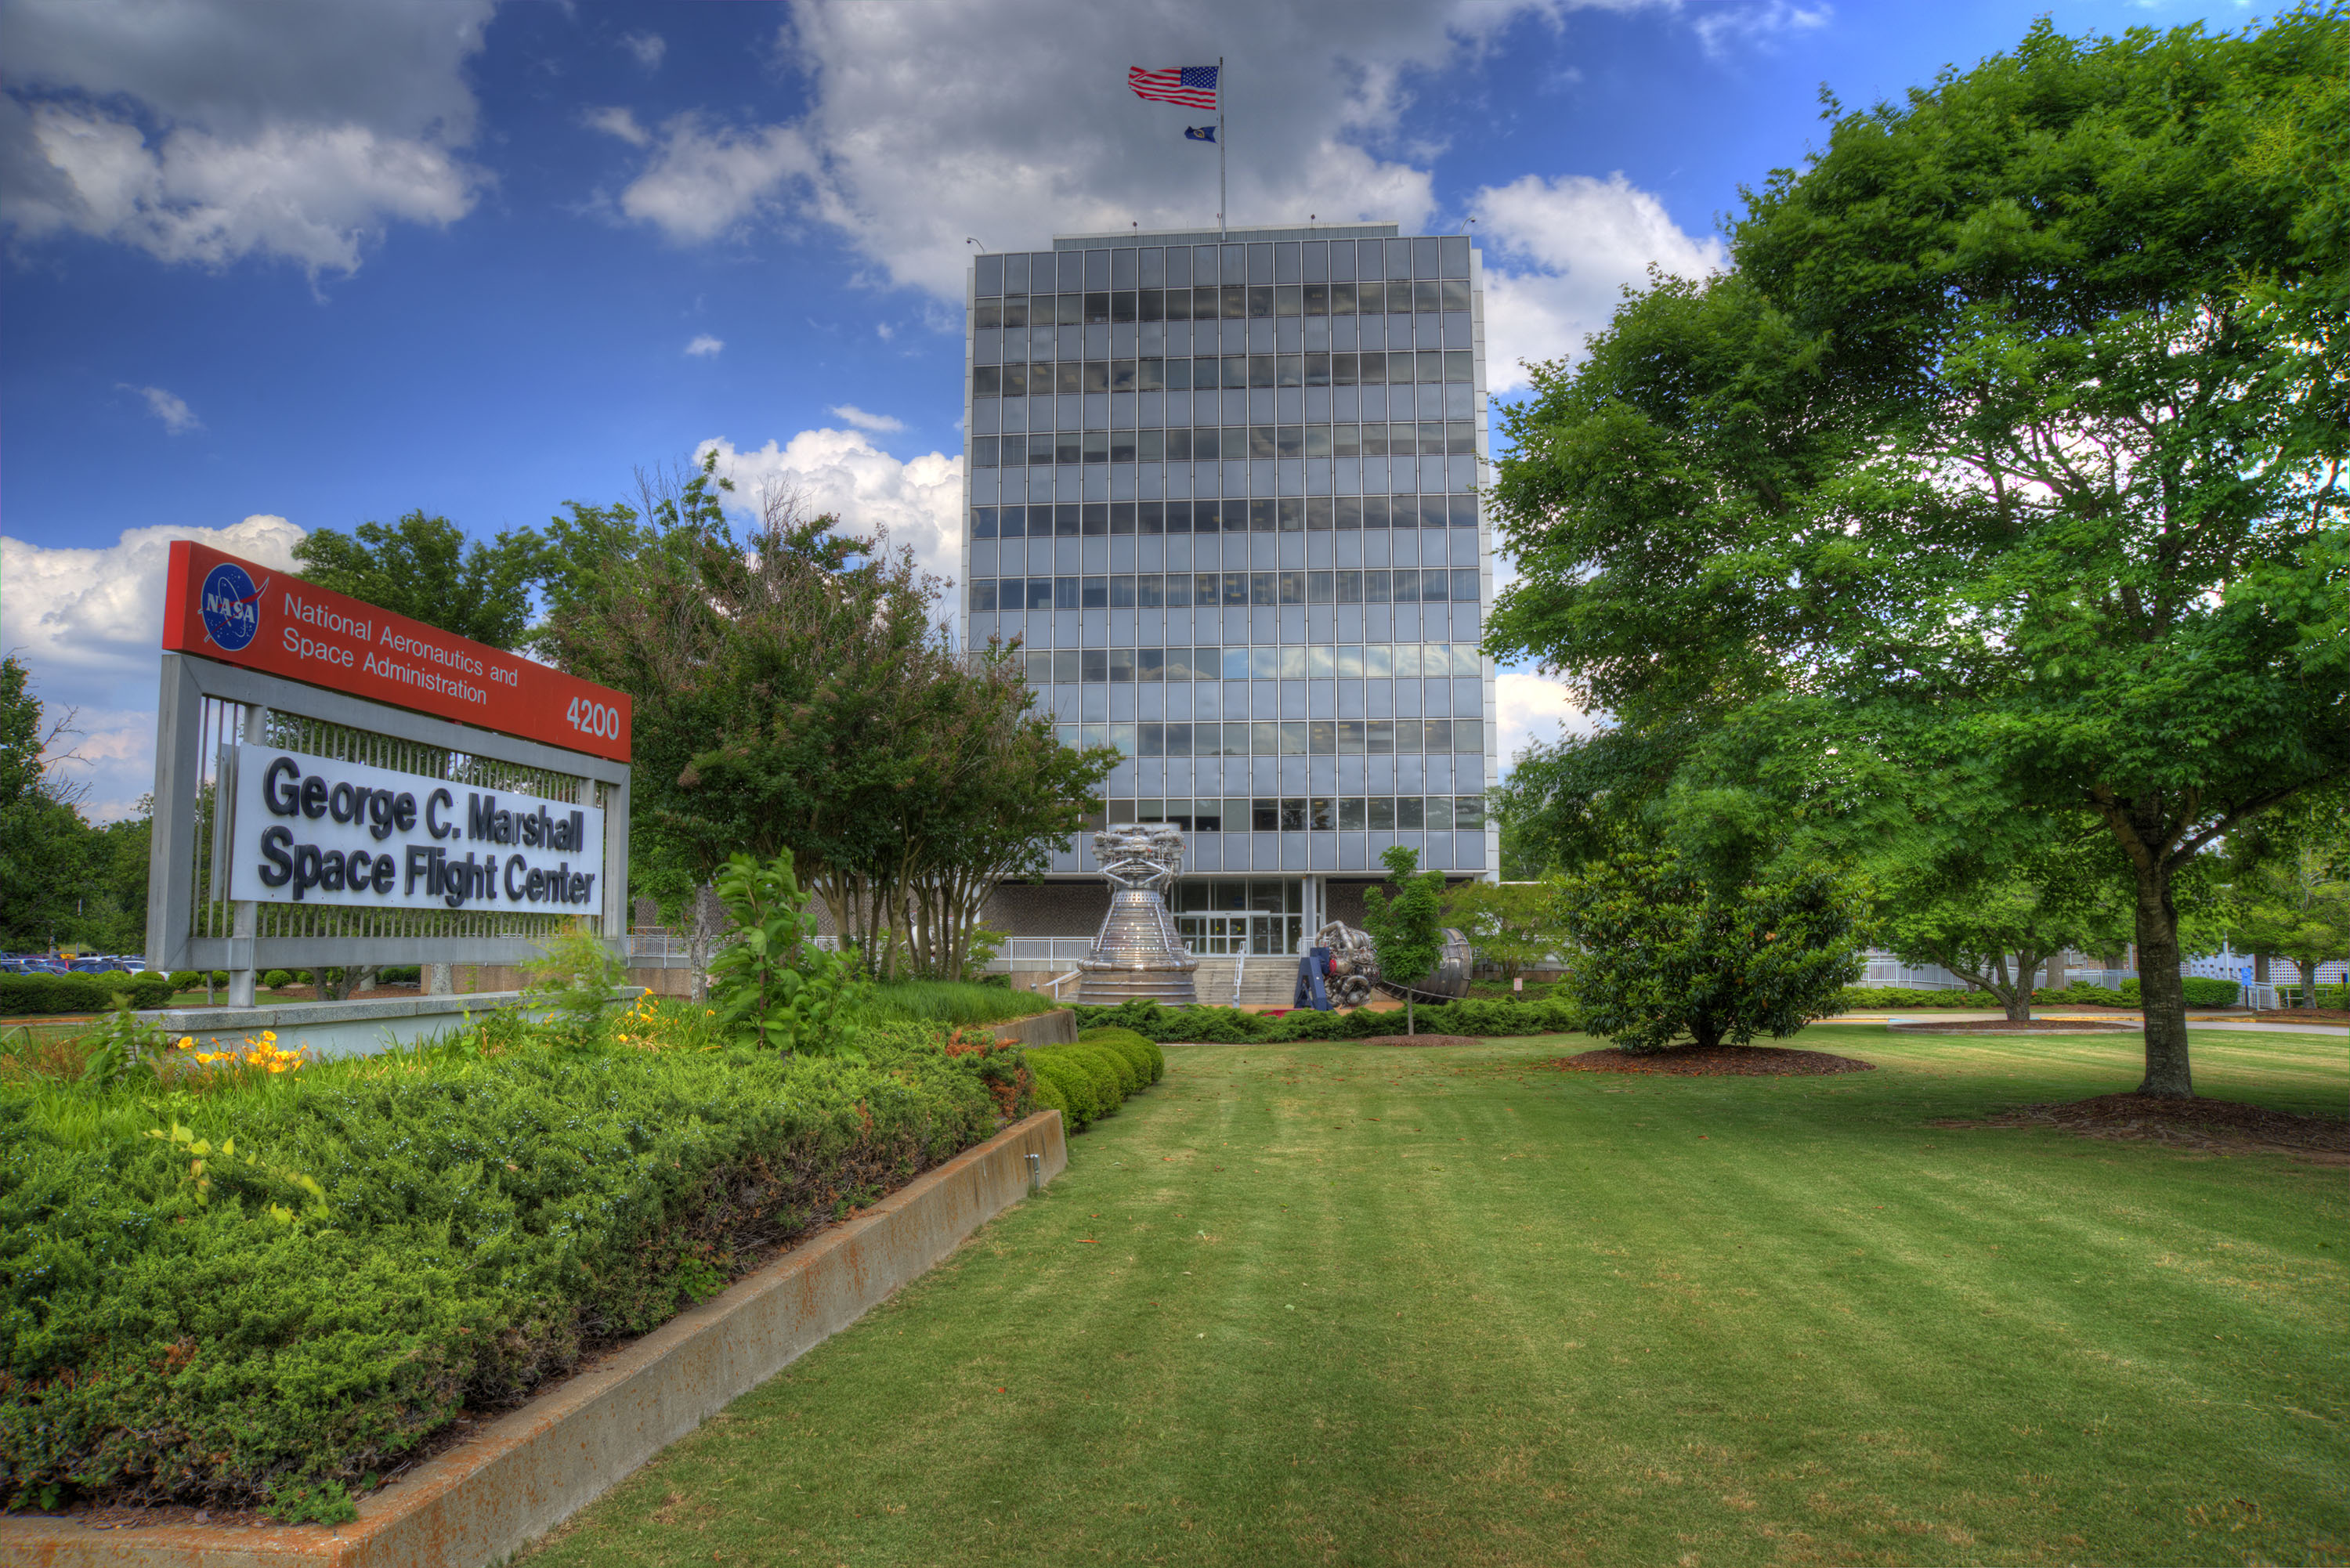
(1757, 26)
(620, 122)
(703, 346)
(177, 417)
(1532, 710)
(919, 501)
(648, 48)
(85, 623)
(208, 131)
(1558, 254)
(866, 421)
(703, 181)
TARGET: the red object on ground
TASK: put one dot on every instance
(220, 608)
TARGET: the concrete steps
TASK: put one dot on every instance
(1269, 979)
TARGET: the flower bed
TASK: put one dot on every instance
(285, 1286)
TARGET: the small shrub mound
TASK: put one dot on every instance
(2201, 992)
(275, 1304)
(1093, 1077)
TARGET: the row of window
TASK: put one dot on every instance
(1283, 737)
(1257, 262)
(1231, 590)
(1287, 514)
(1306, 814)
(1230, 302)
(1292, 662)
(1211, 443)
(1229, 372)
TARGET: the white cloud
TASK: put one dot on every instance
(177, 417)
(1757, 26)
(1532, 708)
(649, 48)
(620, 122)
(1557, 255)
(866, 421)
(211, 130)
(85, 623)
(704, 345)
(706, 181)
(919, 501)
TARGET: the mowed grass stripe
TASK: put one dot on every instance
(1527, 1316)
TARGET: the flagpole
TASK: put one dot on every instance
(1223, 229)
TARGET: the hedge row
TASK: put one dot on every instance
(471, 1227)
(26, 994)
(2201, 992)
(1475, 1016)
(1088, 1080)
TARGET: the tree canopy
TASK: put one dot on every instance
(2009, 450)
(425, 568)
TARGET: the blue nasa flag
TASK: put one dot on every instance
(1198, 133)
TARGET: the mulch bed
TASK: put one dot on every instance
(2219, 1126)
(1722, 1062)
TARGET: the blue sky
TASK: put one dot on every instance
(272, 265)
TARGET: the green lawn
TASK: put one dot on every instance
(1360, 1305)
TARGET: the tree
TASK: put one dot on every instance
(1513, 925)
(1406, 927)
(2013, 440)
(793, 693)
(49, 857)
(1664, 956)
(2291, 892)
(423, 567)
(1994, 922)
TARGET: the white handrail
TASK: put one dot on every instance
(1240, 968)
(1061, 981)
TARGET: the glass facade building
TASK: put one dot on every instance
(1224, 491)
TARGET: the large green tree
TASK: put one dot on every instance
(796, 691)
(2013, 438)
(425, 568)
(2290, 889)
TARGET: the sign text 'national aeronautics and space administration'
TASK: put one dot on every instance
(312, 830)
(236, 612)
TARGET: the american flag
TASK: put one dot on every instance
(1193, 87)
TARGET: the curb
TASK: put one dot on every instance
(534, 1468)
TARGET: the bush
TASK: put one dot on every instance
(1142, 1054)
(23, 995)
(388, 1246)
(1875, 998)
(1479, 1016)
(1073, 1084)
(275, 980)
(400, 974)
(1113, 1078)
(187, 979)
(2204, 992)
(1046, 1095)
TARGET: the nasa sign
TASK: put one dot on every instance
(220, 608)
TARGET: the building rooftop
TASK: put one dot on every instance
(1370, 231)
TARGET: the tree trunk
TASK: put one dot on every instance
(2161, 994)
(2017, 1002)
(1409, 1027)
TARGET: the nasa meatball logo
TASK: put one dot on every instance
(231, 607)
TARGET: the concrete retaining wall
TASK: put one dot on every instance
(527, 1473)
(1058, 1027)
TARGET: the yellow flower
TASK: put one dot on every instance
(187, 1042)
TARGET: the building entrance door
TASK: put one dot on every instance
(1209, 936)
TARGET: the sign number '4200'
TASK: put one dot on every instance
(594, 718)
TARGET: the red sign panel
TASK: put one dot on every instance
(217, 607)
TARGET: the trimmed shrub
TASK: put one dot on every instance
(187, 979)
(1080, 1101)
(275, 980)
(26, 995)
(383, 1250)
(1143, 1055)
(1114, 1078)
(401, 974)
(1047, 1097)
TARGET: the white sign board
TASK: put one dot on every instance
(310, 830)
